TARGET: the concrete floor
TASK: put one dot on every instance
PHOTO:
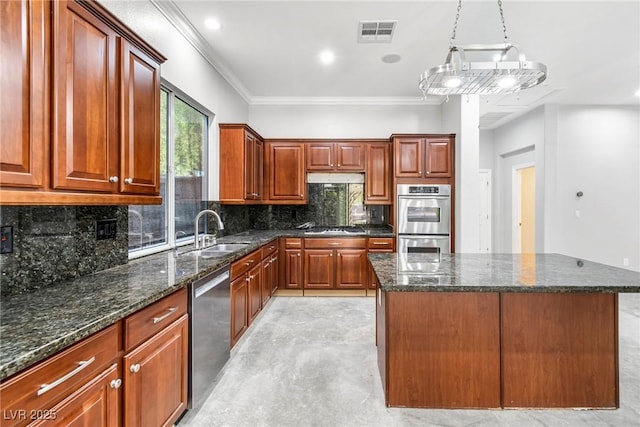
(312, 362)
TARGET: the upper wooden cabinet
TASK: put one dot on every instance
(423, 156)
(285, 178)
(378, 174)
(100, 143)
(241, 159)
(335, 156)
(24, 82)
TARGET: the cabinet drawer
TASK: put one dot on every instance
(293, 243)
(244, 264)
(380, 244)
(322, 243)
(47, 383)
(269, 249)
(150, 320)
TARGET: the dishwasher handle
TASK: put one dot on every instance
(212, 284)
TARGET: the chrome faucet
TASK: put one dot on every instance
(196, 231)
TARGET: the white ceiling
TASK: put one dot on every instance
(268, 50)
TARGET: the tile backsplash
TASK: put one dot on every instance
(57, 243)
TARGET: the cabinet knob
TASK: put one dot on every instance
(248, 279)
(428, 172)
(338, 165)
(113, 179)
(128, 181)
(302, 196)
(116, 383)
(332, 165)
(135, 368)
(419, 172)
(298, 254)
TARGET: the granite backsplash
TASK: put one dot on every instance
(57, 243)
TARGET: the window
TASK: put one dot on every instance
(183, 177)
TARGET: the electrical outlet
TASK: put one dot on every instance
(106, 229)
(6, 239)
(625, 262)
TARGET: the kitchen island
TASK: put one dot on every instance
(498, 330)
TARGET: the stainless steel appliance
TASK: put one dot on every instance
(210, 333)
(424, 218)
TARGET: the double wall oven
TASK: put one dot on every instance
(424, 224)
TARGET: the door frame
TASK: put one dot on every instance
(516, 198)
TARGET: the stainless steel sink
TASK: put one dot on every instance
(219, 250)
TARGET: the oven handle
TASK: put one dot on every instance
(423, 237)
(424, 197)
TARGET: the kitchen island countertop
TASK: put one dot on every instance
(500, 273)
(38, 324)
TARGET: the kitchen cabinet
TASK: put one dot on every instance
(81, 382)
(378, 174)
(285, 177)
(378, 244)
(292, 263)
(156, 362)
(241, 164)
(335, 156)
(269, 271)
(423, 156)
(335, 263)
(101, 139)
(246, 300)
(24, 80)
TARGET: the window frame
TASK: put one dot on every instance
(170, 203)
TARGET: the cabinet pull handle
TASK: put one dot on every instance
(335, 243)
(164, 316)
(116, 383)
(134, 368)
(248, 279)
(81, 365)
(273, 259)
(381, 243)
(128, 181)
(113, 179)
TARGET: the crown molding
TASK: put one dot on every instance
(364, 100)
(175, 16)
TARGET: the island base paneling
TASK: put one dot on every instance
(442, 349)
(559, 350)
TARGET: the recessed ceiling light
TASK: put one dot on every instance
(212, 24)
(391, 58)
(327, 57)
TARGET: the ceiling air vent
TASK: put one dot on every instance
(376, 31)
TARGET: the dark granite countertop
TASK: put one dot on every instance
(500, 273)
(38, 324)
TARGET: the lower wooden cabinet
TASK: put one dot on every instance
(255, 291)
(95, 404)
(239, 304)
(335, 263)
(155, 372)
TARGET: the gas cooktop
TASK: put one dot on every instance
(346, 230)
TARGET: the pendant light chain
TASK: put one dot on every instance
(455, 25)
(504, 26)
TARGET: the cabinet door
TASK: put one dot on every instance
(286, 173)
(140, 149)
(438, 157)
(266, 287)
(350, 156)
(85, 101)
(320, 156)
(319, 270)
(249, 153)
(351, 268)
(378, 177)
(408, 154)
(24, 85)
(155, 378)
(255, 291)
(274, 273)
(95, 404)
(293, 269)
(239, 307)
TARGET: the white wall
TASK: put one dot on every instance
(593, 149)
(343, 121)
(187, 70)
(598, 153)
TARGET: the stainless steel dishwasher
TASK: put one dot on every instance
(210, 333)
